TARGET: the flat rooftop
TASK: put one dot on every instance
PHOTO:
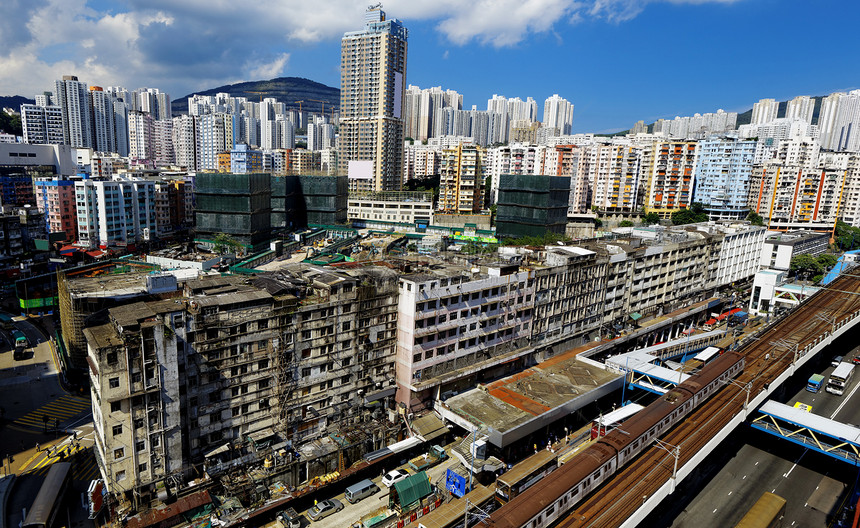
(513, 407)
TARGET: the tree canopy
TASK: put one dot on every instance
(695, 213)
(651, 218)
(755, 219)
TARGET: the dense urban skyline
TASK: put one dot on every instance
(174, 48)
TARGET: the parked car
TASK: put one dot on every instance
(395, 475)
(324, 509)
(856, 360)
(836, 361)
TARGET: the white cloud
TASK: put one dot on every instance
(182, 45)
(268, 70)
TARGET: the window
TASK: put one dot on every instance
(416, 358)
(118, 453)
(111, 358)
(120, 475)
(115, 406)
(113, 383)
(140, 446)
(141, 468)
(117, 430)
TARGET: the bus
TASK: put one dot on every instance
(525, 474)
(839, 378)
(814, 383)
(767, 512)
(47, 506)
(611, 420)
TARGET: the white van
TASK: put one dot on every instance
(358, 491)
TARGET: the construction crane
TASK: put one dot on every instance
(300, 105)
(261, 94)
(322, 103)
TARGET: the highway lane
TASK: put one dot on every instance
(812, 484)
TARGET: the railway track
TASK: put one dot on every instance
(767, 357)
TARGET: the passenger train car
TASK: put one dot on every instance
(552, 497)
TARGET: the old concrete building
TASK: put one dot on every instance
(569, 296)
(234, 364)
(456, 322)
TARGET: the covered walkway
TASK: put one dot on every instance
(838, 440)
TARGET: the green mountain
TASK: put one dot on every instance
(288, 90)
(14, 102)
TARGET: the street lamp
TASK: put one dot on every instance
(675, 451)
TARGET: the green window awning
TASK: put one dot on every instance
(636, 316)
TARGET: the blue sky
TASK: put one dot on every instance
(617, 60)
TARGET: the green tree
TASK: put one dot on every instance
(827, 260)
(847, 237)
(805, 264)
(651, 218)
(225, 243)
(11, 124)
(625, 223)
(755, 219)
(695, 213)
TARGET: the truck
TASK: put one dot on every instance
(839, 378)
(430, 458)
(289, 518)
(814, 383)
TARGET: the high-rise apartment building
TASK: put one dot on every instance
(801, 107)
(764, 111)
(671, 177)
(74, 101)
(558, 114)
(372, 102)
(461, 180)
(723, 171)
(186, 141)
(43, 124)
(115, 213)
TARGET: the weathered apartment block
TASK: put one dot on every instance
(456, 322)
(234, 364)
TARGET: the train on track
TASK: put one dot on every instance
(553, 497)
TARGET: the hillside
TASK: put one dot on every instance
(288, 90)
(14, 102)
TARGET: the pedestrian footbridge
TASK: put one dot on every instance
(835, 439)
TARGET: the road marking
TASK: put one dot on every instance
(715, 511)
(730, 493)
(745, 477)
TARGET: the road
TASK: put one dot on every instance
(38, 421)
(812, 484)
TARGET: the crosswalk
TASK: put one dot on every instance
(61, 409)
(84, 467)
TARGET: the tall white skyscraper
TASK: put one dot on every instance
(846, 130)
(74, 101)
(801, 107)
(104, 124)
(764, 111)
(558, 114)
(827, 119)
(372, 103)
(186, 141)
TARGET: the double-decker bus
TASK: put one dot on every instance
(839, 378)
